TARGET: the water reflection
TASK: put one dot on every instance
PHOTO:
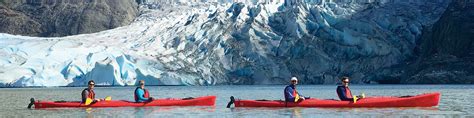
(300, 112)
(141, 111)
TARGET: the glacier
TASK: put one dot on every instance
(227, 42)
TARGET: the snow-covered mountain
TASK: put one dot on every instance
(202, 43)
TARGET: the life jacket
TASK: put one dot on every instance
(348, 92)
(296, 95)
(91, 94)
(145, 95)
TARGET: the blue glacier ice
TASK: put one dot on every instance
(221, 42)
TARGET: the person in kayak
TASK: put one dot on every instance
(291, 95)
(89, 92)
(344, 92)
(141, 94)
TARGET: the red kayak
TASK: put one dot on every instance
(200, 101)
(423, 100)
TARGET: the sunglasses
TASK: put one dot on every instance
(345, 81)
(92, 84)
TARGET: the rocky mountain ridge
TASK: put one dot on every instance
(53, 18)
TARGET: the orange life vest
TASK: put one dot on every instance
(296, 95)
(146, 95)
(348, 92)
(91, 94)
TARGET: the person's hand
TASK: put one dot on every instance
(302, 98)
(151, 98)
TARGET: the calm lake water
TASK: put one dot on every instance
(456, 101)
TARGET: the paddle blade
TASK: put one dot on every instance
(88, 101)
(108, 98)
(297, 97)
(354, 98)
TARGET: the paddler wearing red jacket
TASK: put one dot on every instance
(141, 94)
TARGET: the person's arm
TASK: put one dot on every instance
(289, 92)
(140, 93)
(342, 94)
(301, 96)
(84, 95)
